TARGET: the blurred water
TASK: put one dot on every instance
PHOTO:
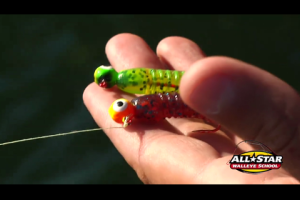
(48, 60)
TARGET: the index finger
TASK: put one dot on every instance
(127, 51)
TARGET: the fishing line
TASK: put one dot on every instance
(56, 135)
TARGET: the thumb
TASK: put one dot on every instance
(247, 101)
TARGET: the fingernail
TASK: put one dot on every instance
(214, 95)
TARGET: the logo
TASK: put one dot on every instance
(256, 161)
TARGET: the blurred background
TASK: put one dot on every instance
(48, 60)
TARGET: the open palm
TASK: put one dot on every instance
(248, 102)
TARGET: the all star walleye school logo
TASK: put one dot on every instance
(256, 161)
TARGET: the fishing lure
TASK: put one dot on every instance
(139, 80)
(154, 107)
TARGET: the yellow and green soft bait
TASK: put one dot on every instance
(139, 80)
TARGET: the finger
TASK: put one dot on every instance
(248, 101)
(179, 53)
(126, 51)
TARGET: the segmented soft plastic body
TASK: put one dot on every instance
(157, 107)
(149, 81)
(139, 80)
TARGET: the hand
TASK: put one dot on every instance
(248, 102)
